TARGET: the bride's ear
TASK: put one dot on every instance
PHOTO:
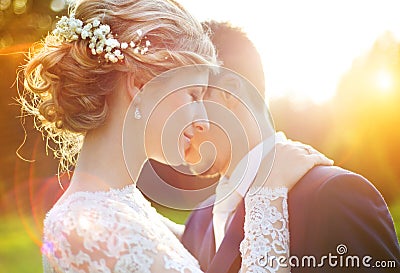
(131, 88)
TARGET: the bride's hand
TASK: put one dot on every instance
(291, 161)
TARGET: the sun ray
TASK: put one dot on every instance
(308, 45)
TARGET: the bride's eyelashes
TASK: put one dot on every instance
(197, 94)
(195, 97)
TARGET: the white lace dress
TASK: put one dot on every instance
(119, 231)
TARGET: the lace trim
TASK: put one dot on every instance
(265, 229)
(110, 231)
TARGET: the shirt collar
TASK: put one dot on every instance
(247, 168)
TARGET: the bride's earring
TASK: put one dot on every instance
(138, 114)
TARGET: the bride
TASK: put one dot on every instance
(96, 71)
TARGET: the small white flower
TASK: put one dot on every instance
(118, 54)
(85, 34)
(112, 58)
(108, 42)
(99, 50)
(97, 32)
(101, 40)
(96, 23)
(112, 42)
(64, 20)
(87, 28)
(72, 25)
(76, 23)
(105, 29)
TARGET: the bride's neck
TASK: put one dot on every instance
(101, 163)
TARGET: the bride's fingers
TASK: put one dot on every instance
(319, 159)
(313, 156)
(321, 155)
(308, 149)
(302, 146)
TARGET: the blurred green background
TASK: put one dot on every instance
(357, 128)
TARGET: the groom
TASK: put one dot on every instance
(338, 221)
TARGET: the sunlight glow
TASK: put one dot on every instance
(384, 81)
(308, 45)
(57, 5)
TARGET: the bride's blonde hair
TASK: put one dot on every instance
(66, 86)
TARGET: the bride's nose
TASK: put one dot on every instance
(201, 126)
(200, 119)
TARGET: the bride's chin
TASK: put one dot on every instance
(171, 162)
(169, 157)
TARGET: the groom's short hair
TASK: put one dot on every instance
(237, 52)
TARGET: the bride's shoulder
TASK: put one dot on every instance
(89, 231)
(87, 210)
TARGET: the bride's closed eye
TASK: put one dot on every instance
(197, 93)
(195, 97)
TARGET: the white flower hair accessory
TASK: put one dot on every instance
(101, 39)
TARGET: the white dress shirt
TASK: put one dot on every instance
(230, 191)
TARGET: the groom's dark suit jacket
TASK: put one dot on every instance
(328, 207)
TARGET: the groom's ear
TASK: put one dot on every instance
(232, 85)
(131, 88)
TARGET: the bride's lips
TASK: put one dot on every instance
(187, 138)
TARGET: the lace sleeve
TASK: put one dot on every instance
(266, 235)
(108, 236)
(176, 229)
